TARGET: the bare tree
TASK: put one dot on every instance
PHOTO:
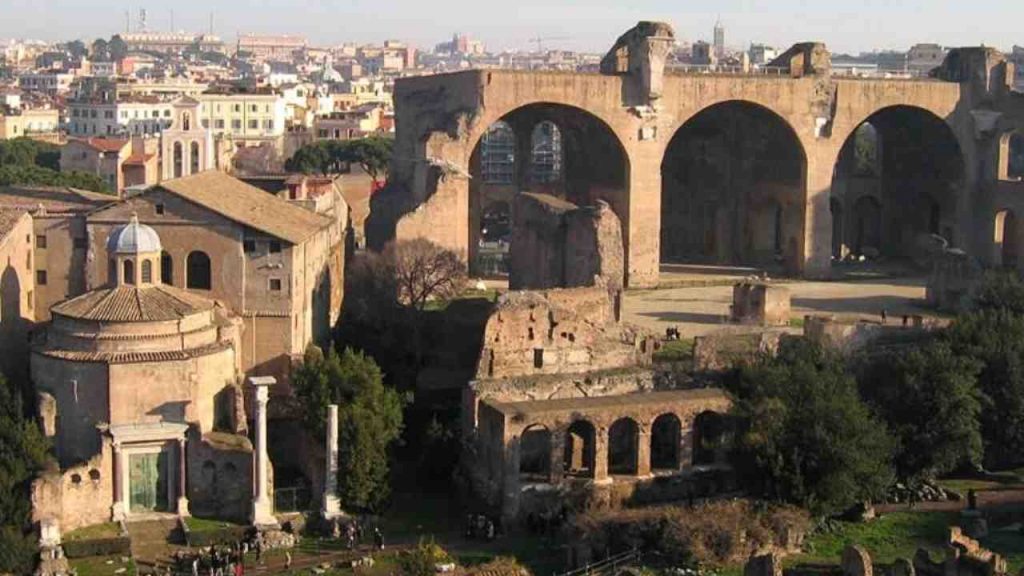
(424, 271)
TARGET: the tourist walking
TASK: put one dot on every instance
(378, 539)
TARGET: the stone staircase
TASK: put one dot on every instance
(154, 541)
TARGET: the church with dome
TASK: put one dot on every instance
(161, 329)
(141, 390)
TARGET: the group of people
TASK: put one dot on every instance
(220, 560)
(480, 526)
(352, 530)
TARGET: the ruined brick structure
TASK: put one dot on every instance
(760, 303)
(556, 244)
(740, 169)
(566, 403)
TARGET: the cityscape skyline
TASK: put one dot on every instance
(874, 25)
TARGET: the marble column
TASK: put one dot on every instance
(117, 511)
(331, 505)
(183, 506)
(262, 502)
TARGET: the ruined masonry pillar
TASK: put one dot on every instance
(262, 504)
(331, 505)
(643, 455)
(557, 456)
(601, 455)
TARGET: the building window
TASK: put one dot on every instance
(198, 273)
(41, 277)
(194, 157)
(236, 124)
(275, 284)
(178, 159)
(498, 154)
(546, 160)
(166, 268)
(254, 124)
(147, 272)
(41, 241)
(249, 245)
(160, 209)
(218, 124)
(268, 124)
(129, 272)
(253, 108)
(275, 247)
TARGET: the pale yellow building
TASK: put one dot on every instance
(35, 123)
(249, 118)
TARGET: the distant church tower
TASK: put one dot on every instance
(719, 39)
(186, 147)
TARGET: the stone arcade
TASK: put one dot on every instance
(787, 167)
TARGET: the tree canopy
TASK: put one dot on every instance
(332, 157)
(806, 437)
(369, 420)
(929, 399)
(28, 162)
(23, 453)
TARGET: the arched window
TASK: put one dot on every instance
(546, 153)
(580, 449)
(666, 438)
(623, 447)
(194, 157)
(166, 268)
(535, 453)
(129, 272)
(198, 274)
(112, 271)
(1016, 161)
(498, 154)
(178, 159)
(186, 121)
(147, 272)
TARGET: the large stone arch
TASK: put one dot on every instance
(595, 164)
(733, 188)
(917, 180)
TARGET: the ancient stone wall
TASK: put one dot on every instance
(760, 304)
(220, 479)
(558, 332)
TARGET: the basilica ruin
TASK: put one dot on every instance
(789, 167)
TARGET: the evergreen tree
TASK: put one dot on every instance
(370, 420)
(23, 453)
(806, 437)
(929, 398)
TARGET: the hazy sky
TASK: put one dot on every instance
(593, 25)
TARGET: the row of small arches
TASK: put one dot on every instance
(198, 270)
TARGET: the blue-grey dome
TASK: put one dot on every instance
(133, 238)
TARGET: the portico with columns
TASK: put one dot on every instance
(149, 469)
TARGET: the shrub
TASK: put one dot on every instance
(422, 560)
(715, 534)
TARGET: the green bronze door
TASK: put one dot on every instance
(148, 482)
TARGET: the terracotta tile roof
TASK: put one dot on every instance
(133, 304)
(103, 144)
(139, 158)
(137, 357)
(9, 218)
(51, 199)
(248, 205)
